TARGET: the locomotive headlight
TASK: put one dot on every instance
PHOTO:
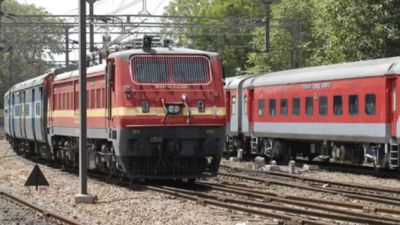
(145, 106)
(174, 109)
(171, 109)
(177, 109)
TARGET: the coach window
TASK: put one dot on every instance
(296, 107)
(323, 105)
(37, 108)
(353, 105)
(233, 105)
(309, 106)
(245, 105)
(272, 107)
(261, 107)
(370, 105)
(284, 107)
(337, 105)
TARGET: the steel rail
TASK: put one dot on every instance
(319, 201)
(303, 201)
(333, 216)
(310, 188)
(190, 196)
(344, 184)
(40, 210)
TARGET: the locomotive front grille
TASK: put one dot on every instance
(171, 69)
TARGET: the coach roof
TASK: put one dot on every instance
(377, 67)
(29, 83)
(127, 53)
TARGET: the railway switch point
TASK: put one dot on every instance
(292, 167)
(310, 167)
(86, 199)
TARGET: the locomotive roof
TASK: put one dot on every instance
(377, 67)
(127, 53)
(75, 73)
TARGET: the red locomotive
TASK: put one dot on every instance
(347, 112)
(153, 113)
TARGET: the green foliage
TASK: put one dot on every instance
(26, 44)
(220, 39)
(333, 31)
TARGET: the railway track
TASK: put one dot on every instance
(45, 213)
(359, 194)
(313, 181)
(290, 209)
(311, 208)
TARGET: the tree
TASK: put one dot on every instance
(218, 39)
(25, 47)
(315, 37)
(365, 29)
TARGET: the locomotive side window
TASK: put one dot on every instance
(296, 107)
(233, 105)
(284, 107)
(272, 107)
(370, 106)
(245, 105)
(309, 106)
(337, 105)
(353, 104)
(261, 107)
(323, 105)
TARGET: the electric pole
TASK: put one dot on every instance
(91, 14)
(83, 196)
(67, 45)
(268, 4)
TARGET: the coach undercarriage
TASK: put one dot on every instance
(284, 150)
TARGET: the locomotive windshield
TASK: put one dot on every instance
(171, 69)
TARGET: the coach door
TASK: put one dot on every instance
(392, 105)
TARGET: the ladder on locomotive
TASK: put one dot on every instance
(230, 143)
(254, 144)
(394, 154)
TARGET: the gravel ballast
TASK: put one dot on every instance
(116, 205)
(14, 213)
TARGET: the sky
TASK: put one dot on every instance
(102, 7)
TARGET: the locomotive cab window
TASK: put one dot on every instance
(309, 106)
(337, 105)
(296, 107)
(272, 107)
(233, 105)
(370, 104)
(323, 105)
(284, 107)
(353, 105)
(261, 107)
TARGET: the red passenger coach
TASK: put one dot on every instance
(347, 112)
(156, 113)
